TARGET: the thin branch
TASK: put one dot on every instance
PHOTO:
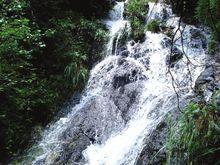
(169, 67)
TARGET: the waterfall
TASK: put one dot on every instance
(128, 94)
(116, 24)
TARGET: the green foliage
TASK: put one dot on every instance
(153, 26)
(75, 42)
(185, 9)
(213, 46)
(197, 138)
(136, 12)
(42, 45)
(208, 12)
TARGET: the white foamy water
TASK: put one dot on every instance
(143, 69)
(123, 147)
(156, 101)
(116, 24)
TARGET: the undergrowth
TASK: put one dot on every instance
(195, 139)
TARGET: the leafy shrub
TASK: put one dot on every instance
(196, 140)
(42, 45)
(136, 11)
(185, 9)
(208, 13)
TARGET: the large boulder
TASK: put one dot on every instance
(99, 116)
(154, 152)
(174, 57)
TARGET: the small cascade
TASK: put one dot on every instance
(128, 94)
(116, 24)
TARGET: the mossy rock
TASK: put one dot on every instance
(136, 12)
(153, 26)
(138, 34)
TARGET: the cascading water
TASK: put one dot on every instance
(116, 25)
(128, 94)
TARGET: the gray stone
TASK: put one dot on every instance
(198, 40)
(167, 42)
(174, 57)
(205, 83)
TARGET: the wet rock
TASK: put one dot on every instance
(206, 76)
(217, 69)
(138, 55)
(145, 62)
(195, 33)
(217, 86)
(124, 53)
(132, 42)
(162, 16)
(121, 49)
(156, 143)
(121, 61)
(165, 15)
(174, 57)
(127, 72)
(166, 42)
(122, 80)
(95, 121)
(126, 99)
(198, 40)
(154, 151)
(205, 83)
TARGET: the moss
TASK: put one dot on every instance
(153, 26)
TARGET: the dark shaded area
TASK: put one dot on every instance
(46, 51)
(185, 8)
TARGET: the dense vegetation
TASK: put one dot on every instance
(46, 50)
(197, 140)
(153, 26)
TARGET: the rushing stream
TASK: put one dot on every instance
(128, 94)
